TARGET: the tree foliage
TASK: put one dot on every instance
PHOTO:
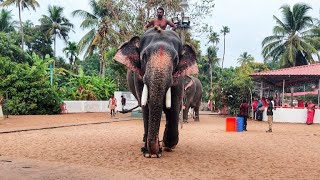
(9, 48)
(294, 38)
(28, 87)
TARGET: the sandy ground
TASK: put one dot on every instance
(94, 146)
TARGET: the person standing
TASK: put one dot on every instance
(160, 21)
(270, 114)
(112, 105)
(254, 107)
(123, 102)
(244, 108)
(311, 112)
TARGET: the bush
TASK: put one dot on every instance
(28, 88)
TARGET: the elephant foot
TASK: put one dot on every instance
(147, 153)
(167, 149)
(152, 149)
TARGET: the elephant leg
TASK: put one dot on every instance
(185, 113)
(171, 132)
(196, 113)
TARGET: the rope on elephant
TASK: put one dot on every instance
(62, 126)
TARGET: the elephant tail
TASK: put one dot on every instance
(128, 110)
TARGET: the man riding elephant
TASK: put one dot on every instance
(157, 62)
(192, 97)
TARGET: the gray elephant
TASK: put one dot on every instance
(192, 97)
(157, 63)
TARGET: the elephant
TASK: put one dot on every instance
(157, 62)
(192, 97)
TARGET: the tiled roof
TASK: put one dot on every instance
(306, 70)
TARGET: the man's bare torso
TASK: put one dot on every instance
(162, 23)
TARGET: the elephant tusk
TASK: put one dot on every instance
(144, 97)
(168, 99)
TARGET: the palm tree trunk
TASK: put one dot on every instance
(21, 27)
(224, 50)
(102, 70)
(210, 75)
(54, 50)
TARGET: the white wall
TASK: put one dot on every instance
(101, 106)
(291, 115)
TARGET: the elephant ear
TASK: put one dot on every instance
(129, 55)
(187, 62)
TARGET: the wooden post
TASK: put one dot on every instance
(261, 90)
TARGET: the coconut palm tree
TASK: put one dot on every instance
(97, 24)
(21, 4)
(212, 52)
(105, 28)
(225, 30)
(90, 21)
(213, 59)
(55, 24)
(6, 22)
(245, 58)
(71, 51)
(294, 39)
(214, 38)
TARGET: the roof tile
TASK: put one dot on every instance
(309, 70)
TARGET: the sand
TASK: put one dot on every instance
(94, 146)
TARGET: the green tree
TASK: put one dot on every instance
(55, 24)
(71, 51)
(6, 22)
(225, 30)
(36, 41)
(81, 87)
(212, 60)
(21, 4)
(293, 41)
(245, 58)
(28, 87)
(90, 21)
(10, 48)
(91, 65)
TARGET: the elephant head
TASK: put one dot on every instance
(159, 62)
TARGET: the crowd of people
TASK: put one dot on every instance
(269, 104)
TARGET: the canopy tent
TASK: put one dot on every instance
(290, 77)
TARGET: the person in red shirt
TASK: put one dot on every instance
(244, 107)
(254, 107)
(112, 105)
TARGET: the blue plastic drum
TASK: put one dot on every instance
(239, 124)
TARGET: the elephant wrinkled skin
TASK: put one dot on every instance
(157, 62)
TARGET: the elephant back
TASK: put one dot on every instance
(154, 35)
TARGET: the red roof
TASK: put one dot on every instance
(306, 70)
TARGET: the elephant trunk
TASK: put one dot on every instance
(155, 111)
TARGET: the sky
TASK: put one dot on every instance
(250, 21)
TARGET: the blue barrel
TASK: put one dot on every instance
(239, 124)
